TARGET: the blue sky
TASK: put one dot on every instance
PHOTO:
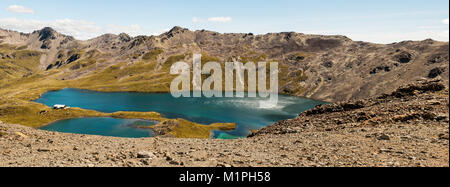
(380, 21)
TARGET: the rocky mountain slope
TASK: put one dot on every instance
(329, 68)
(409, 127)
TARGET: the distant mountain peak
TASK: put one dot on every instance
(47, 33)
(175, 30)
(125, 37)
(47, 29)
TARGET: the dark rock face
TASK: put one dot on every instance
(413, 89)
(300, 58)
(436, 59)
(46, 44)
(73, 58)
(380, 69)
(323, 44)
(296, 58)
(49, 67)
(404, 57)
(337, 107)
(67, 40)
(47, 33)
(436, 72)
(124, 37)
(384, 137)
(139, 40)
(174, 31)
(328, 64)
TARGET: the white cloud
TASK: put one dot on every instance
(159, 32)
(79, 29)
(132, 30)
(196, 20)
(445, 21)
(20, 9)
(429, 27)
(212, 19)
(220, 19)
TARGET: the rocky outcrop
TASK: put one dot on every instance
(424, 102)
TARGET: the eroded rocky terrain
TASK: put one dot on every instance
(328, 68)
(409, 127)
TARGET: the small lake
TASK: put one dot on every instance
(103, 126)
(245, 112)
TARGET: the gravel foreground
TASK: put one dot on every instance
(409, 127)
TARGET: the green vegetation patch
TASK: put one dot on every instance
(152, 55)
(17, 63)
(171, 60)
(181, 128)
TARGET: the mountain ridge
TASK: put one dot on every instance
(330, 68)
(204, 30)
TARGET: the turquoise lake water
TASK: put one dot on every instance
(245, 112)
(103, 126)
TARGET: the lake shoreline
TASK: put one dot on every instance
(246, 112)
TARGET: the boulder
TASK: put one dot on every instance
(146, 154)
